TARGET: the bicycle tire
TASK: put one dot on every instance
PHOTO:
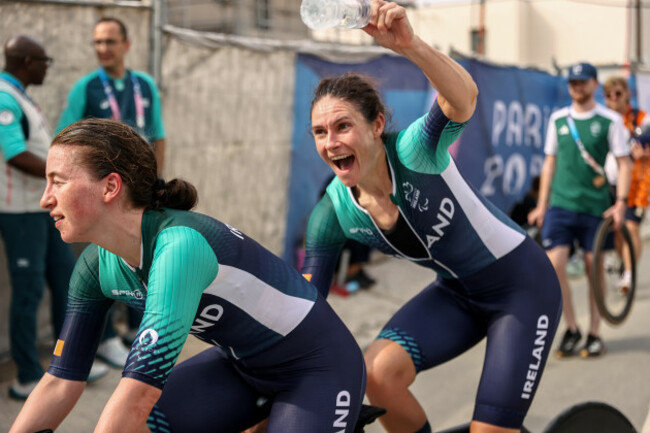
(590, 417)
(604, 291)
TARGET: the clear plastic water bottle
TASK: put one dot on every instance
(324, 14)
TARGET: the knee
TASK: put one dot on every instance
(388, 369)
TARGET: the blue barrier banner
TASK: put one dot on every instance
(499, 152)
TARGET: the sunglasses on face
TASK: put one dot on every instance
(46, 59)
(615, 94)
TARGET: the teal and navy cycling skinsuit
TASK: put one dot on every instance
(276, 337)
(492, 280)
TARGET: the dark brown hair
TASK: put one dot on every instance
(113, 147)
(119, 22)
(356, 89)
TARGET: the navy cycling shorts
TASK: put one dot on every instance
(516, 303)
(311, 381)
(563, 227)
(635, 214)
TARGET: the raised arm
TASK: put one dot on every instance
(457, 92)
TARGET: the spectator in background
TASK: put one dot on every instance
(573, 184)
(115, 92)
(617, 98)
(34, 249)
(359, 257)
(521, 209)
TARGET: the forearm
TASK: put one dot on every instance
(545, 181)
(29, 163)
(128, 408)
(456, 88)
(624, 176)
(48, 405)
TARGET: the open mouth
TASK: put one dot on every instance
(343, 162)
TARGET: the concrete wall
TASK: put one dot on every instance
(228, 115)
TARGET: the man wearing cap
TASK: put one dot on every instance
(574, 195)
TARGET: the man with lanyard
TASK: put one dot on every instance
(574, 184)
(35, 252)
(115, 92)
(617, 98)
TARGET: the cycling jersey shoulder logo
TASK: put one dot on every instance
(364, 230)
(6, 117)
(414, 198)
(235, 232)
(131, 293)
(149, 337)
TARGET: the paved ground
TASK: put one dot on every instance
(621, 378)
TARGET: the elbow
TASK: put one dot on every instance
(473, 97)
(466, 111)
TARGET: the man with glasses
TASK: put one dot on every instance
(36, 255)
(617, 98)
(574, 195)
(115, 92)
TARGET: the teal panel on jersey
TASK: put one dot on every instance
(184, 264)
(415, 144)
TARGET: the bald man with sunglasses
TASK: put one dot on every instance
(36, 255)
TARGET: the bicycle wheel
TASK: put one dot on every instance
(614, 303)
(590, 417)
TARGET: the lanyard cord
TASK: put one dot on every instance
(112, 101)
(583, 152)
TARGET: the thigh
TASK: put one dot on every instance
(320, 402)
(522, 320)
(587, 228)
(206, 394)
(25, 237)
(320, 388)
(435, 326)
(558, 228)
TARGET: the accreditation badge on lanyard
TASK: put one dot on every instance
(115, 107)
